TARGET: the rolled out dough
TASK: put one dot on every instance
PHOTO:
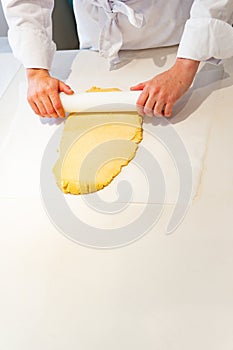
(93, 149)
(99, 89)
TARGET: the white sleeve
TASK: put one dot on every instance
(30, 31)
(208, 33)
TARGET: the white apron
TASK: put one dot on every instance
(110, 26)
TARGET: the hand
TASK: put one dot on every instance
(160, 93)
(43, 93)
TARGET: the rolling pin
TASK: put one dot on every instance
(123, 101)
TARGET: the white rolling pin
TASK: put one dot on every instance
(122, 101)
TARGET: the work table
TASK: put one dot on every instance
(160, 292)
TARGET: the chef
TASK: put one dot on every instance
(202, 28)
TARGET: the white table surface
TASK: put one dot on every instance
(165, 292)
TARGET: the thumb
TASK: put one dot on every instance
(139, 86)
(65, 88)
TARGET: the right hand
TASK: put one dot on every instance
(43, 93)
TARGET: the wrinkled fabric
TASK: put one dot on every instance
(202, 27)
(111, 40)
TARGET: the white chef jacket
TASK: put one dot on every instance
(203, 28)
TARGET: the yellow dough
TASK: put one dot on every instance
(98, 89)
(93, 149)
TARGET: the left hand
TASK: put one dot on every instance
(160, 93)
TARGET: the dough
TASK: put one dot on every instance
(93, 149)
(98, 89)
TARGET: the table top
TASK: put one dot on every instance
(162, 291)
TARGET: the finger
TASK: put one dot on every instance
(139, 86)
(140, 110)
(142, 98)
(57, 105)
(41, 108)
(150, 105)
(34, 108)
(141, 102)
(50, 111)
(151, 101)
(32, 104)
(148, 112)
(159, 108)
(65, 88)
(168, 109)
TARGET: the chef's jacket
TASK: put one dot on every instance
(203, 28)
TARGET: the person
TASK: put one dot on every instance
(202, 28)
